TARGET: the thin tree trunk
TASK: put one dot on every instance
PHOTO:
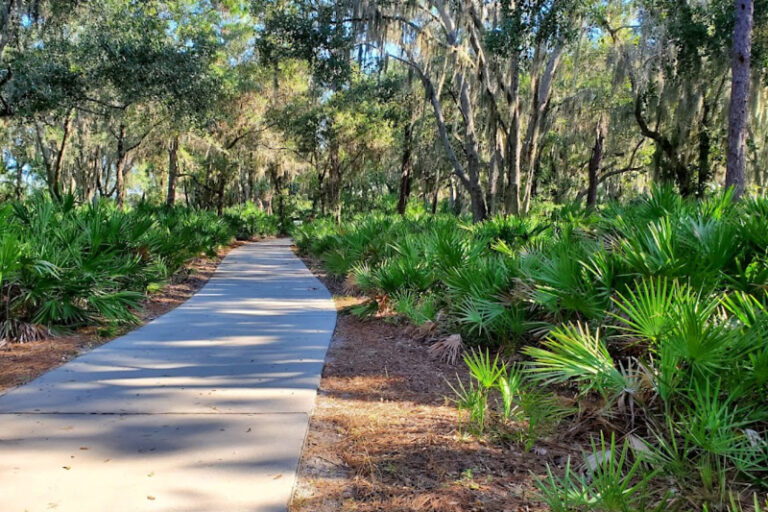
(56, 186)
(737, 117)
(120, 168)
(19, 180)
(757, 168)
(186, 193)
(90, 176)
(220, 195)
(204, 195)
(321, 191)
(173, 170)
(54, 163)
(251, 184)
(595, 163)
(119, 182)
(457, 202)
(436, 193)
(334, 181)
(279, 179)
(405, 169)
(705, 145)
(496, 165)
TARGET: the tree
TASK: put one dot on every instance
(737, 117)
(327, 107)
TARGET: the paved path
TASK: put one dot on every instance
(204, 409)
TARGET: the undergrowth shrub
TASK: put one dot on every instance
(650, 317)
(63, 265)
(248, 221)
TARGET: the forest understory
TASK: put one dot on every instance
(23, 362)
(633, 334)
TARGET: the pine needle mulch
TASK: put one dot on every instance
(384, 437)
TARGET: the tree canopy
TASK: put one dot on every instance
(484, 107)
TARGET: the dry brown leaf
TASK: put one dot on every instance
(425, 329)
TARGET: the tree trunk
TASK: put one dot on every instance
(542, 89)
(90, 174)
(514, 139)
(496, 165)
(186, 193)
(19, 180)
(436, 193)
(334, 181)
(758, 171)
(173, 170)
(321, 191)
(595, 163)
(497, 187)
(54, 163)
(220, 195)
(514, 177)
(664, 147)
(737, 117)
(251, 184)
(119, 183)
(56, 186)
(7, 17)
(278, 179)
(405, 169)
(120, 168)
(468, 179)
(535, 177)
(705, 145)
(471, 145)
(457, 205)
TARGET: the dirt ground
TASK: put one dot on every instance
(22, 362)
(384, 437)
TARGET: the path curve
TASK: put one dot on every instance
(204, 409)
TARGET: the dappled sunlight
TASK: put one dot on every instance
(176, 462)
(251, 347)
(203, 409)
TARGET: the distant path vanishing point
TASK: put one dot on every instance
(205, 409)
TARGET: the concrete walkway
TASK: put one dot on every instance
(204, 409)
